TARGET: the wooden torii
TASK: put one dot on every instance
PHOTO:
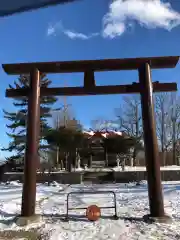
(145, 87)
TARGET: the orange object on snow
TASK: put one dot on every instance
(93, 213)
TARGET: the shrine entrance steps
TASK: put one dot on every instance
(98, 164)
(98, 177)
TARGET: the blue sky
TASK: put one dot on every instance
(90, 30)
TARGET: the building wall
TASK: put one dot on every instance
(64, 178)
(77, 177)
(134, 176)
(166, 159)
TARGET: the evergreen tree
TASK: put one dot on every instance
(68, 140)
(18, 119)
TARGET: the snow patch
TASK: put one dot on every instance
(132, 202)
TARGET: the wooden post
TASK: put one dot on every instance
(150, 143)
(32, 144)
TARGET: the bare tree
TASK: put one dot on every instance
(130, 120)
(163, 124)
(64, 118)
(175, 124)
(103, 124)
(167, 110)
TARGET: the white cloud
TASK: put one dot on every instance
(50, 31)
(148, 13)
(123, 14)
(58, 27)
(77, 35)
(54, 28)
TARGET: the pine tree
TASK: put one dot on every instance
(63, 122)
(18, 119)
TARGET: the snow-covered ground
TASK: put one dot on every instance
(100, 169)
(127, 168)
(164, 168)
(132, 201)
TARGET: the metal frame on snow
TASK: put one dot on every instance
(84, 208)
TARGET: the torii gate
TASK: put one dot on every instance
(145, 87)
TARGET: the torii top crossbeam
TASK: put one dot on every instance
(92, 65)
(10, 7)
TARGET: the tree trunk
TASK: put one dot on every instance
(62, 164)
(57, 157)
(106, 157)
(174, 143)
(123, 164)
(66, 161)
(137, 135)
(162, 134)
(90, 161)
(163, 158)
(134, 157)
(69, 163)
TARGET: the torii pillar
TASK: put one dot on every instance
(32, 145)
(150, 142)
